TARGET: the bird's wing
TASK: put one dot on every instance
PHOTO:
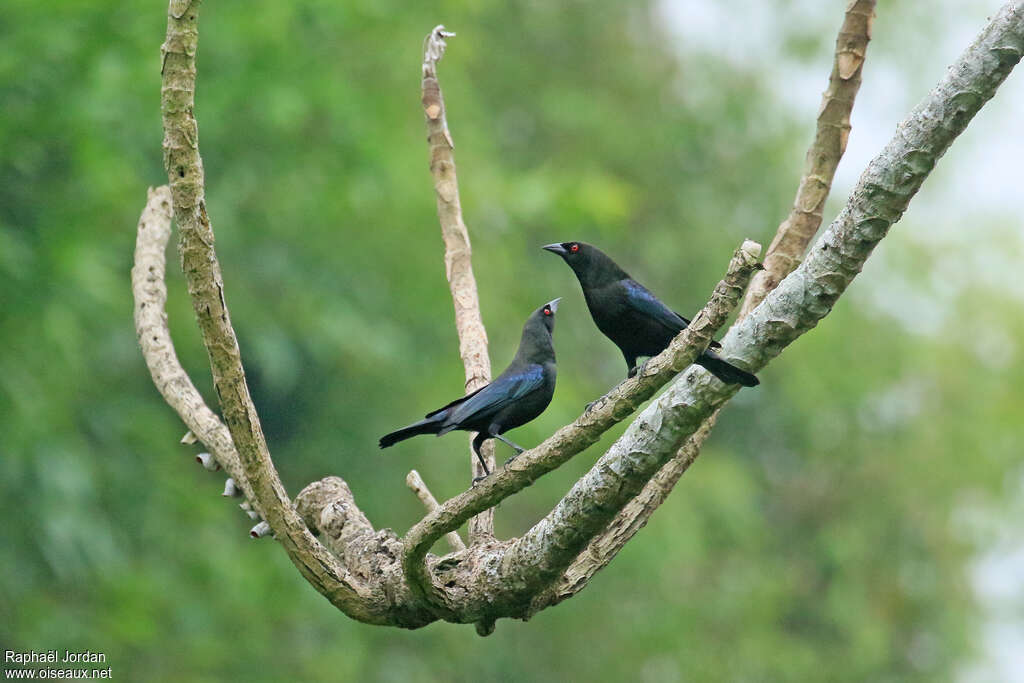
(456, 402)
(640, 299)
(499, 393)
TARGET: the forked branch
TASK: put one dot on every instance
(807, 295)
(376, 577)
(202, 272)
(789, 244)
(557, 449)
(419, 487)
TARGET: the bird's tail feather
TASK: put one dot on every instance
(726, 371)
(431, 425)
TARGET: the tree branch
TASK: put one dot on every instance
(533, 563)
(603, 548)
(202, 271)
(329, 507)
(833, 130)
(792, 238)
(457, 255)
(801, 300)
(149, 290)
(419, 487)
(375, 577)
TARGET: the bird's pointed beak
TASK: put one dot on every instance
(555, 248)
(553, 305)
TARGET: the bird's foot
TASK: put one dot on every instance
(477, 480)
(590, 406)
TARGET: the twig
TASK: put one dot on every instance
(833, 130)
(612, 408)
(457, 254)
(415, 482)
(202, 272)
(149, 289)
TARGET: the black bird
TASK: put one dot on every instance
(628, 314)
(515, 397)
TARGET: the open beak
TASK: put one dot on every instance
(555, 248)
(553, 305)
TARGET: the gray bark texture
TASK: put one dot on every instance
(377, 577)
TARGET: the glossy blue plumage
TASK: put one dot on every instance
(631, 316)
(513, 398)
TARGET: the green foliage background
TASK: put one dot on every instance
(816, 536)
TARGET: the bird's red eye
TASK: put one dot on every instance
(547, 311)
(574, 248)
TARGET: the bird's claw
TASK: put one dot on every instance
(477, 480)
(590, 406)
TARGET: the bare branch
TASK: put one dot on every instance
(833, 130)
(149, 289)
(416, 484)
(378, 578)
(603, 548)
(457, 254)
(202, 271)
(795, 306)
(544, 552)
(614, 407)
(792, 238)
